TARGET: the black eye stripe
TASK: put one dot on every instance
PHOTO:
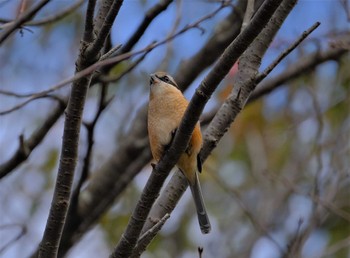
(166, 79)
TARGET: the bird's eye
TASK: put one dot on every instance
(166, 79)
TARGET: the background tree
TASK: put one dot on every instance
(277, 185)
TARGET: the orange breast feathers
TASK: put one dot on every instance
(166, 108)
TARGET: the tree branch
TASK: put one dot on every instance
(148, 18)
(114, 175)
(27, 146)
(223, 35)
(183, 134)
(148, 236)
(103, 32)
(24, 17)
(52, 18)
(296, 43)
(89, 21)
(303, 65)
(244, 80)
(68, 159)
(102, 63)
(226, 116)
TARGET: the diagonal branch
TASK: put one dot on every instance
(226, 114)
(304, 64)
(149, 17)
(244, 80)
(52, 18)
(183, 134)
(27, 146)
(296, 43)
(24, 17)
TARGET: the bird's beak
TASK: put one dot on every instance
(153, 79)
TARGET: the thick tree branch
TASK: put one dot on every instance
(183, 134)
(226, 116)
(103, 32)
(89, 21)
(117, 172)
(68, 159)
(244, 80)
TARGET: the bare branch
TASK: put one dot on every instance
(117, 77)
(304, 64)
(223, 35)
(113, 177)
(21, 233)
(27, 146)
(69, 153)
(103, 32)
(148, 236)
(110, 53)
(90, 127)
(244, 80)
(210, 138)
(286, 52)
(89, 21)
(248, 14)
(149, 17)
(92, 68)
(52, 18)
(24, 17)
(196, 105)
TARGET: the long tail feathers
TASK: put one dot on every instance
(203, 218)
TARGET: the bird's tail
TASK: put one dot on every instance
(203, 218)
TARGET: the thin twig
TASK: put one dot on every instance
(286, 52)
(26, 16)
(20, 234)
(52, 18)
(250, 215)
(110, 61)
(115, 78)
(326, 204)
(148, 236)
(306, 63)
(28, 145)
(110, 53)
(169, 48)
(148, 18)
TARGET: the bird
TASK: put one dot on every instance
(166, 108)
